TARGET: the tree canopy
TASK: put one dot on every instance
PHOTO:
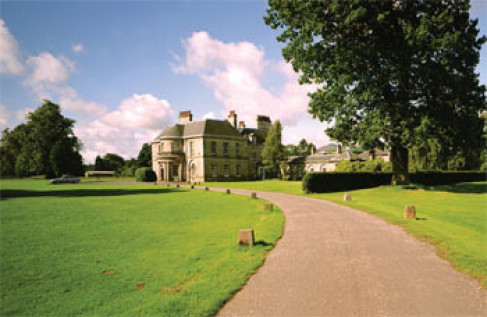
(390, 73)
(272, 153)
(45, 144)
(144, 159)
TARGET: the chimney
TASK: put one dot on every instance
(241, 125)
(263, 123)
(232, 118)
(185, 117)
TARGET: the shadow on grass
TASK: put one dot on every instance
(461, 188)
(20, 193)
(264, 243)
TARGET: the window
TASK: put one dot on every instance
(174, 147)
(226, 170)
(254, 157)
(238, 170)
(175, 171)
(214, 170)
(237, 149)
(161, 147)
(191, 148)
(213, 148)
(225, 148)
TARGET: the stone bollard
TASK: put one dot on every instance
(409, 212)
(206, 188)
(254, 195)
(228, 191)
(268, 207)
(347, 197)
(246, 237)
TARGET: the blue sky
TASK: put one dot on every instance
(123, 70)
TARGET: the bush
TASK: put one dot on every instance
(364, 166)
(339, 181)
(145, 174)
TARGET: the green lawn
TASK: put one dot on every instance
(453, 217)
(90, 249)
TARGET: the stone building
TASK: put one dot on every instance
(326, 161)
(209, 150)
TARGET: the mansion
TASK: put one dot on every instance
(209, 149)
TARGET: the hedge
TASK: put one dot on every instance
(341, 181)
(145, 174)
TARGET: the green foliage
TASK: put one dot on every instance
(272, 153)
(45, 144)
(181, 244)
(342, 181)
(145, 174)
(109, 162)
(363, 166)
(396, 73)
(144, 159)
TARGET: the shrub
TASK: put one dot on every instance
(145, 174)
(339, 181)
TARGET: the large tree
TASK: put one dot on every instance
(144, 159)
(272, 153)
(45, 144)
(390, 72)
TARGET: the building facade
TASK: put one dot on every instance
(209, 150)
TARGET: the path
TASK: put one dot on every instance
(336, 261)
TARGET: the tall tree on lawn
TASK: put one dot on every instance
(391, 73)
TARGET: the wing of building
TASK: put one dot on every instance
(209, 150)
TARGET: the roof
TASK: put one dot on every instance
(175, 130)
(335, 157)
(207, 127)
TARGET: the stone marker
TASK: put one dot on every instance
(254, 195)
(228, 191)
(409, 212)
(206, 188)
(246, 237)
(347, 197)
(268, 207)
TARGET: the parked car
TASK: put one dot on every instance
(65, 179)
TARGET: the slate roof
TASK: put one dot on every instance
(208, 127)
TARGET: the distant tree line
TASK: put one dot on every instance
(122, 167)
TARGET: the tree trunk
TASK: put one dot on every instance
(400, 163)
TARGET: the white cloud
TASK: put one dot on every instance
(209, 115)
(70, 100)
(234, 72)
(137, 120)
(10, 62)
(77, 48)
(49, 69)
(4, 117)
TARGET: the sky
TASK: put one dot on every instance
(125, 69)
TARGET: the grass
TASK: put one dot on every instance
(139, 249)
(452, 217)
